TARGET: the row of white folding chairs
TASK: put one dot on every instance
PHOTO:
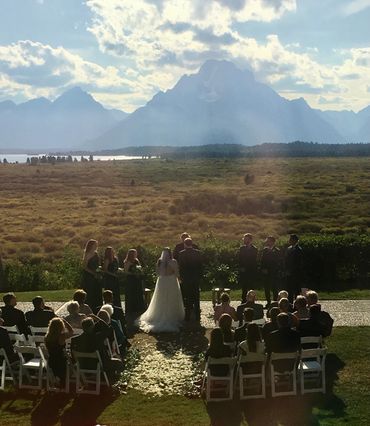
(33, 366)
(309, 363)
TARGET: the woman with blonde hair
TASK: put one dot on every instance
(55, 341)
(91, 282)
(134, 294)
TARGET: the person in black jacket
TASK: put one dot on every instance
(294, 268)
(13, 316)
(284, 339)
(91, 340)
(241, 332)
(41, 314)
(218, 349)
(270, 267)
(191, 271)
(181, 246)
(247, 265)
(6, 343)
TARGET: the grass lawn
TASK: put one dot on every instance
(65, 295)
(346, 401)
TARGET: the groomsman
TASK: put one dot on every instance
(247, 265)
(180, 246)
(270, 266)
(294, 268)
(191, 271)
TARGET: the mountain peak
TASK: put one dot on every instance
(223, 69)
(75, 98)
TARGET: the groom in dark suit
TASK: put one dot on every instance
(191, 270)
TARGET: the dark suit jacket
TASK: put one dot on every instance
(6, 344)
(257, 311)
(267, 329)
(294, 261)
(191, 266)
(283, 340)
(248, 260)
(241, 333)
(39, 317)
(310, 327)
(270, 261)
(13, 316)
(180, 247)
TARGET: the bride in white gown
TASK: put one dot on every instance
(166, 309)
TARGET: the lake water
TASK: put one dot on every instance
(22, 158)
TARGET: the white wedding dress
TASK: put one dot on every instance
(166, 309)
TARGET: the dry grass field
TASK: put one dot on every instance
(45, 208)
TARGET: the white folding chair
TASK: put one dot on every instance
(33, 369)
(219, 385)
(311, 370)
(6, 370)
(260, 321)
(15, 336)
(311, 342)
(282, 375)
(36, 340)
(252, 384)
(87, 376)
(38, 330)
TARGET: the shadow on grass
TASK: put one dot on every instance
(49, 409)
(309, 409)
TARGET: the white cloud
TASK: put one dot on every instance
(35, 69)
(355, 6)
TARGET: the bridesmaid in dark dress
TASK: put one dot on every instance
(134, 294)
(91, 282)
(111, 280)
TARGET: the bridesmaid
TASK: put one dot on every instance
(111, 280)
(90, 280)
(134, 294)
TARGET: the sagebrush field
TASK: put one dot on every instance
(46, 208)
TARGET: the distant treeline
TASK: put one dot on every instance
(293, 149)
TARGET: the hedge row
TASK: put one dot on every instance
(332, 263)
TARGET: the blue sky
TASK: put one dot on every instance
(124, 51)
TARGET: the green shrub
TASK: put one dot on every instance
(332, 262)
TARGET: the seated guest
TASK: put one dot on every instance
(283, 294)
(284, 306)
(92, 340)
(312, 326)
(118, 313)
(300, 305)
(55, 341)
(325, 318)
(225, 325)
(253, 343)
(218, 349)
(41, 314)
(6, 343)
(224, 308)
(250, 303)
(271, 325)
(284, 339)
(105, 314)
(80, 297)
(74, 318)
(13, 316)
(241, 332)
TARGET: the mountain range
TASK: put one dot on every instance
(219, 104)
(65, 123)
